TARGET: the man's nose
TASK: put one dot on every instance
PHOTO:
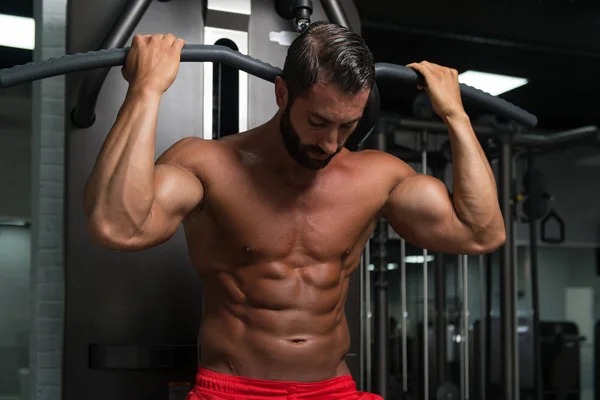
(330, 144)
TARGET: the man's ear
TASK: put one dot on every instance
(281, 93)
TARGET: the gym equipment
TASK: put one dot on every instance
(404, 316)
(481, 361)
(433, 343)
(221, 54)
(503, 138)
(560, 344)
(536, 206)
(298, 10)
(87, 97)
(335, 12)
(463, 268)
(424, 170)
(487, 381)
(596, 363)
(507, 274)
(365, 318)
(532, 182)
(96, 275)
(447, 391)
(381, 314)
(552, 218)
(134, 307)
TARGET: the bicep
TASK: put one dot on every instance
(177, 191)
(420, 210)
(177, 186)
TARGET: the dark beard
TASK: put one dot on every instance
(295, 148)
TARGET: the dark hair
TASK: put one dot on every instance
(328, 53)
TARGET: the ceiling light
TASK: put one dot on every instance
(491, 83)
(17, 32)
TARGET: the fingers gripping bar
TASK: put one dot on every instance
(485, 100)
(213, 53)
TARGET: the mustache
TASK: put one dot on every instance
(315, 149)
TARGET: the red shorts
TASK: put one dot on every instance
(215, 386)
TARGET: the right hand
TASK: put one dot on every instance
(153, 62)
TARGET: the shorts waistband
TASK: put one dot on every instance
(237, 385)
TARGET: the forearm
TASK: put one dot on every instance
(120, 189)
(475, 195)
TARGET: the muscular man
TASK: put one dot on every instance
(276, 218)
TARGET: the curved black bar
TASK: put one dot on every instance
(212, 53)
(66, 64)
(494, 104)
(232, 58)
(116, 57)
(87, 97)
(586, 134)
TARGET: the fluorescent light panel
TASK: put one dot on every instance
(13, 222)
(417, 259)
(491, 83)
(17, 32)
(407, 260)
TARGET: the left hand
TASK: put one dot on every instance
(443, 88)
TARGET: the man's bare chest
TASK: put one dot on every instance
(271, 221)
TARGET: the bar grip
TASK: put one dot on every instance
(213, 53)
(116, 57)
(492, 103)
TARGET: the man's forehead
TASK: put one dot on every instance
(334, 104)
(336, 115)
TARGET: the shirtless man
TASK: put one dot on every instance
(276, 218)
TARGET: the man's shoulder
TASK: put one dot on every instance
(203, 157)
(376, 171)
(380, 163)
(193, 148)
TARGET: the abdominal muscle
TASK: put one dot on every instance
(275, 322)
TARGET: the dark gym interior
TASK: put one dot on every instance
(81, 322)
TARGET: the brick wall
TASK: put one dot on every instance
(47, 280)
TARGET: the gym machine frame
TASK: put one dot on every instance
(506, 137)
(112, 54)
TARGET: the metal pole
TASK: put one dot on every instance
(404, 317)
(461, 328)
(488, 323)
(440, 320)
(83, 114)
(513, 263)
(465, 296)
(381, 301)
(440, 326)
(369, 312)
(507, 289)
(537, 361)
(335, 12)
(363, 320)
(483, 322)
(433, 126)
(424, 138)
